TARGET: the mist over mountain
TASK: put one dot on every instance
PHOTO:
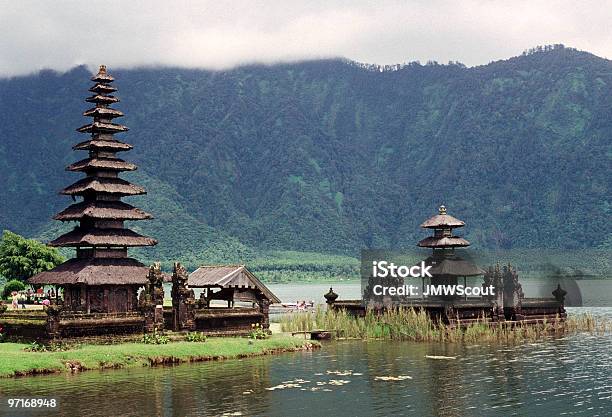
(330, 156)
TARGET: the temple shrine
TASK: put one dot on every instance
(447, 265)
(101, 278)
(506, 304)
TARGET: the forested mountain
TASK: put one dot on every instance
(331, 156)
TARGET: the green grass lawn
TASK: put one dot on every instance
(15, 361)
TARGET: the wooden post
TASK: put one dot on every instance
(423, 287)
(84, 298)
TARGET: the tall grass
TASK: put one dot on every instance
(416, 325)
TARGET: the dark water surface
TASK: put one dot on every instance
(566, 376)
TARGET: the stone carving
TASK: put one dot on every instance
(152, 299)
(54, 312)
(183, 300)
(508, 292)
(513, 292)
(493, 277)
(156, 284)
(559, 294)
(331, 296)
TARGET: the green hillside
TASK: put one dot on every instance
(330, 156)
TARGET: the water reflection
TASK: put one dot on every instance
(570, 375)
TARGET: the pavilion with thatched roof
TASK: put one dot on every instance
(230, 283)
(234, 282)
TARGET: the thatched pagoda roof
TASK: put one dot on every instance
(101, 127)
(101, 99)
(111, 210)
(443, 242)
(228, 276)
(94, 271)
(112, 237)
(103, 185)
(442, 220)
(112, 164)
(454, 266)
(103, 112)
(102, 76)
(103, 144)
(102, 88)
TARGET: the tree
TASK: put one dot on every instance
(11, 286)
(20, 258)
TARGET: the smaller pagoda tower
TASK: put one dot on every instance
(443, 239)
(101, 278)
(447, 266)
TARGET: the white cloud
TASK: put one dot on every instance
(221, 34)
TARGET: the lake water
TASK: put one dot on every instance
(592, 293)
(587, 292)
(565, 376)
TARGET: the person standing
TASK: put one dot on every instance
(22, 300)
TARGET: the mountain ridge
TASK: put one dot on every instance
(327, 156)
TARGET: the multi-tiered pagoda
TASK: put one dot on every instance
(447, 266)
(101, 278)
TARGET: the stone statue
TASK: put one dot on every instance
(183, 300)
(156, 284)
(493, 277)
(151, 300)
(489, 280)
(513, 291)
(330, 296)
(559, 294)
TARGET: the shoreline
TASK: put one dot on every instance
(15, 362)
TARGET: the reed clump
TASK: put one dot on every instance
(586, 322)
(415, 325)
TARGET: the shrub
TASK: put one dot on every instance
(195, 337)
(258, 332)
(35, 347)
(11, 286)
(155, 338)
(51, 347)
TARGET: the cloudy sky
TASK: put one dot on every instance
(218, 34)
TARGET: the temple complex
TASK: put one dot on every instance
(101, 278)
(506, 304)
(102, 291)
